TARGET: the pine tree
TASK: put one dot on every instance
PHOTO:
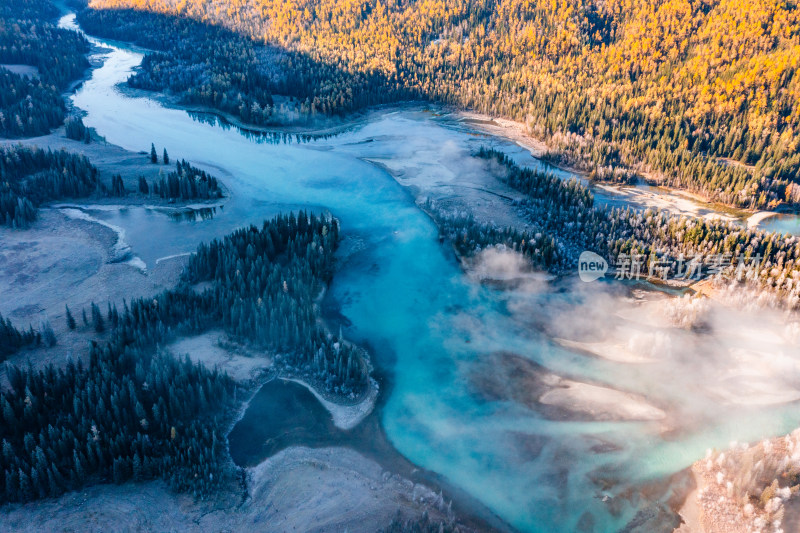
(166, 157)
(48, 335)
(153, 154)
(97, 319)
(70, 319)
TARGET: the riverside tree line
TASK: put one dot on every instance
(566, 222)
(210, 66)
(30, 177)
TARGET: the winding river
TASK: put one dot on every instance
(428, 324)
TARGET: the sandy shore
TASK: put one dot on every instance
(506, 376)
(690, 512)
(600, 403)
(345, 417)
(617, 352)
(510, 129)
(299, 489)
(754, 220)
(675, 201)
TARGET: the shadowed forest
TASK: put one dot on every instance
(699, 95)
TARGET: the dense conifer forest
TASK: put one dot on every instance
(185, 183)
(265, 285)
(32, 105)
(126, 414)
(133, 412)
(699, 95)
(12, 339)
(32, 176)
(211, 66)
(75, 129)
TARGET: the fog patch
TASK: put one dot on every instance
(502, 266)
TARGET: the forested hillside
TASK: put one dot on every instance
(32, 104)
(210, 66)
(699, 94)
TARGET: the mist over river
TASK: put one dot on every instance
(561, 406)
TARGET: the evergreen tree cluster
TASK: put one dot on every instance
(185, 183)
(538, 184)
(31, 176)
(32, 105)
(128, 414)
(265, 284)
(135, 413)
(117, 186)
(423, 524)
(77, 130)
(12, 339)
(470, 237)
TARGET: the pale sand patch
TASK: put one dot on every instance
(600, 402)
(755, 392)
(613, 351)
(643, 314)
(757, 378)
(706, 288)
(612, 190)
(690, 510)
(22, 70)
(206, 349)
(757, 218)
(173, 256)
(674, 202)
(298, 489)
(121, 250)
(690, 514)
(332, 489)
(346, 417)
(501, 127)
